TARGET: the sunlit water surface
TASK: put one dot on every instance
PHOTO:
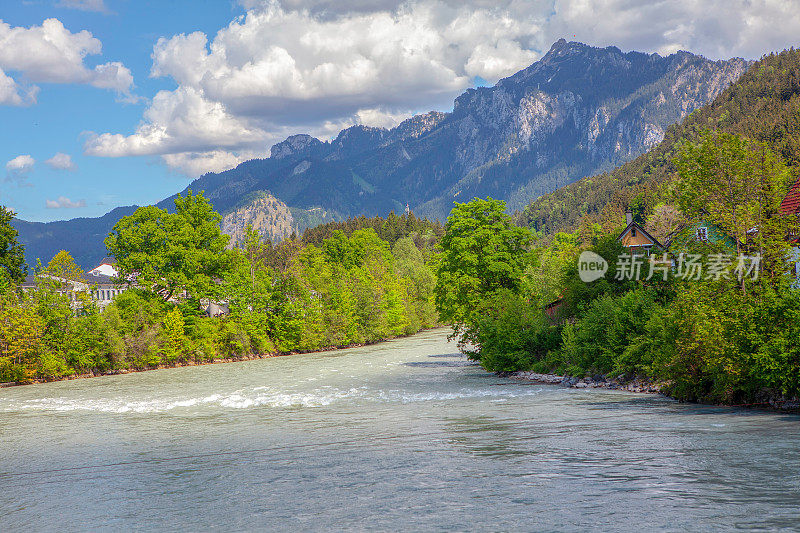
(402, 436)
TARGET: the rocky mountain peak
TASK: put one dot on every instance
(294, 145)
(418, 125)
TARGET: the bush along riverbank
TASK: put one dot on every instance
(727, 334)
(350, 289)
(191, 362)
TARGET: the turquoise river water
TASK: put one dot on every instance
(402, 436)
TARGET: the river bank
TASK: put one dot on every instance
(194, 362)
(594, 382)
(768, 400)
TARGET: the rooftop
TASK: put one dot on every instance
(791, 204)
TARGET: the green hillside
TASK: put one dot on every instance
(763, 105)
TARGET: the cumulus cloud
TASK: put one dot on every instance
(98, 6)
(12, 94)
(18, 168)
(50, 53)
(180, 121)
(311, 66)
(64, 203)
(198, 163)
(61, 161)
(749, 28)
(280, 71)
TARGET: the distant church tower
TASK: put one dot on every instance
(408, 209)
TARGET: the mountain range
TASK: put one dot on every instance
(578, 111)
(763, 105)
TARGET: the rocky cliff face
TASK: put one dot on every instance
(266, 214)
(578, 111)
(271, 218)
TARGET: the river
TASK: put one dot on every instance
(405, 435)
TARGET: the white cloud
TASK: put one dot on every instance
(98, 6)
(180, 121)
(311, 66)
(277, 72)
(61, 161)
(718, 29)
(50, 53)
(380, 118)
(21, 163)
(64, 203)
(198, 163)
(18, 169)
(12, 94)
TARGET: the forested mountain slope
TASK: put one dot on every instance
(764, 104)
(577, 111)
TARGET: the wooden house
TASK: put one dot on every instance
(637, 239)
(700, 233)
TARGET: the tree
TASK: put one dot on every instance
(63, 266)
(248, 282)
(170, 253)
(716, 181)
(739, 185)
(20, 337)
(482, 252)
(174, 343)
(665, 220)
(12, 253)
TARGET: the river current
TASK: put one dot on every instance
(405, 435)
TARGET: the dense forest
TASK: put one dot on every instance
(390, 229)
(294, 296)
(711, 320)
(764, 105)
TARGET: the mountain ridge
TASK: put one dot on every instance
(764, 105)
(577, 111)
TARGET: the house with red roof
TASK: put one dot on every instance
(791, 206)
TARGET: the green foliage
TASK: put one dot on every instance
(63, 266)
(482, 252)
(738, 184)
(282, 298)
(172, 252)
(390, 229)
(12, 253)
(726, 347)
(545, 275)
(174, 344)
(512, 334)
(598, 340)
(576, 293)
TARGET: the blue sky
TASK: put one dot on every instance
(139, 97)
(63, 112)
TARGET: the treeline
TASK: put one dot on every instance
(390, 229)
(730, 334)
(293, 296)
(763, 105)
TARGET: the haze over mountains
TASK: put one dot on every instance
(578, 111)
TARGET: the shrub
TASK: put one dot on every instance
(512, 334)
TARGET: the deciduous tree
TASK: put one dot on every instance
(170, 252)
(482, 252)
(12, 253)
